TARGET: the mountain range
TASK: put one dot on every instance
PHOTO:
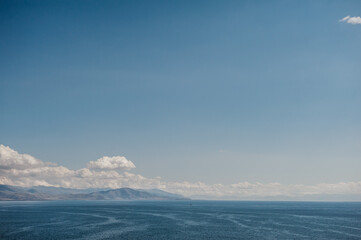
(39, 193)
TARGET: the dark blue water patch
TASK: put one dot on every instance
(179, 220)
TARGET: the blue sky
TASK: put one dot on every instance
(211, 91)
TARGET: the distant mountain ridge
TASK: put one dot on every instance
(39, 193)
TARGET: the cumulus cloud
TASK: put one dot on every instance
(351, 20)
(11, 159)
(25, 170)
(116, 162)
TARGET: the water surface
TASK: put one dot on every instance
(179, 220)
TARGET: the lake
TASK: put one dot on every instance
(179, 220)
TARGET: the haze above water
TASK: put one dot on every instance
(179, 220)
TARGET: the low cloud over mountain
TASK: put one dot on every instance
(113, 172)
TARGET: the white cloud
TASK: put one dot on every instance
(351, 20)
(344, 19)
(25, 170)
(116, 162)
(11, 159)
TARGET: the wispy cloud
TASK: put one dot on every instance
(351, 20)
(110, 172)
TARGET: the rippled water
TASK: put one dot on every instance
(179, 220)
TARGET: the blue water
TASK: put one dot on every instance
(179, 220)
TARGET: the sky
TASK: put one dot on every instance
(205, 92)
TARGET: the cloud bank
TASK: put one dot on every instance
(111, 172)
(351, 20)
